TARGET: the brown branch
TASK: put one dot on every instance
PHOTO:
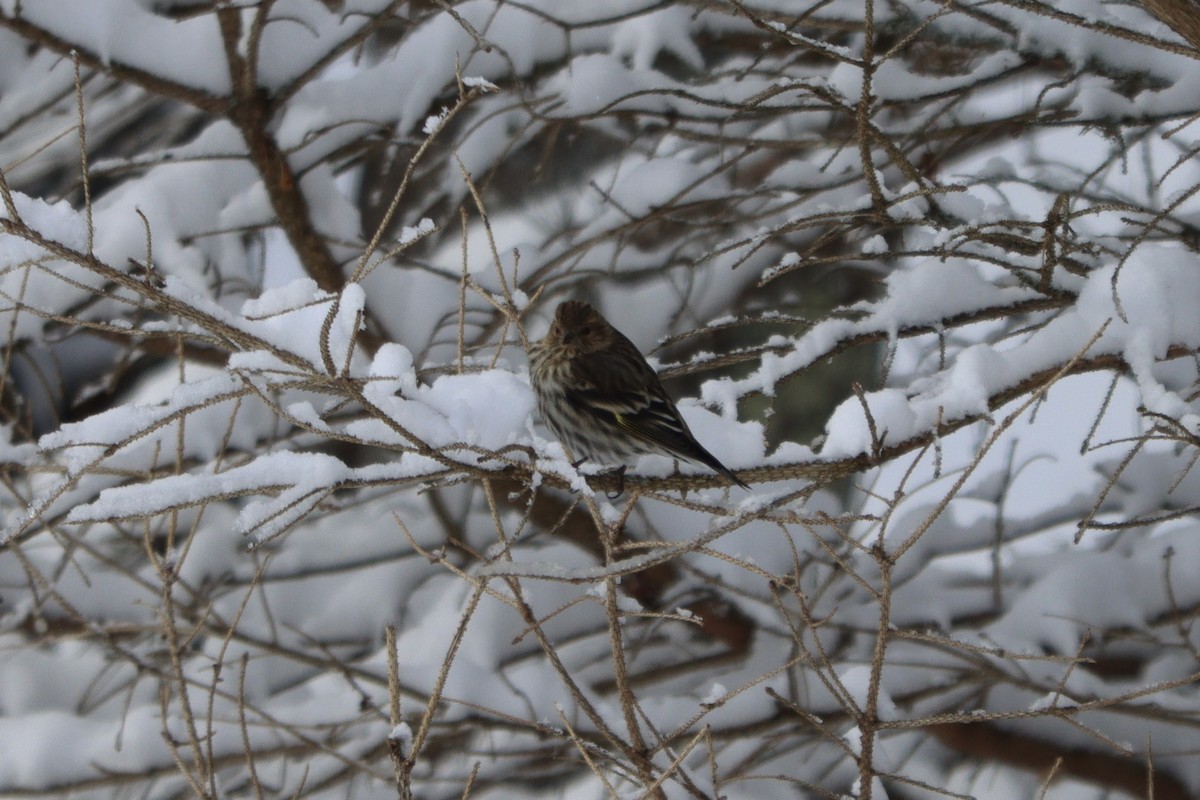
(150, 81)
(1181, 16)
(988, 741)
(250, 110)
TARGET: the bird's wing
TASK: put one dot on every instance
(621, 389)
(619, 385)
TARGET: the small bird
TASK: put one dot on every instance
(601, 399)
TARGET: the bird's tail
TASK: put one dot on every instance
(706, 458)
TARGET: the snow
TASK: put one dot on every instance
(848, 431)
(488, 408)
(483, 84)
(409, 234)
(402, 735)
(1095, 591)
(715, 694)
(126, 32)
(642, 38)
(597, 82)
(1159, 280)
(735, 444)
(432, 123)
(283, 299)
(313, 470)
(875, 245)
(282, 471)
(58, 222)
(203, 400)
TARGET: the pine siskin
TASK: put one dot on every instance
(601, 399)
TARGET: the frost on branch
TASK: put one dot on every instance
(280, 520)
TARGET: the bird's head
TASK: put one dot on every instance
(579, 328)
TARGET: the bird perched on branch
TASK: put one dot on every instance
(602, 400)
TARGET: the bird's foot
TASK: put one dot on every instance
(619, 473)
(575, 465)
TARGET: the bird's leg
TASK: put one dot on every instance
(575, 466)
(619, 473)
(677, 474)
